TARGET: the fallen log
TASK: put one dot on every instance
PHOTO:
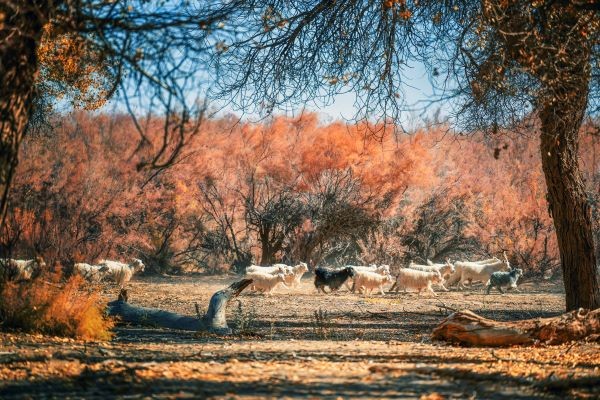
(213, 321)
(467, 328)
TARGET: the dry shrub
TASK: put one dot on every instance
(47, 305)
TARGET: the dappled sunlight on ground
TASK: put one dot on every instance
(362, 347)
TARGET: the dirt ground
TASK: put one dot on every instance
(298, 343)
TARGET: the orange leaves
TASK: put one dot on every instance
(49, 306)
(71, 67)
(398, 7)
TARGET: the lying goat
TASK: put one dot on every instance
(332, 278)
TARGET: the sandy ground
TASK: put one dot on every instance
(298, 343)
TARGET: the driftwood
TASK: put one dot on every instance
(213, 321)
(467, 328)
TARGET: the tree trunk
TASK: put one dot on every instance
(567, 199)
(213, 321)
(267, 253)
(21, 25)
(468, 328)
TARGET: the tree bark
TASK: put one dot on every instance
(266, 251)
(213, 321)
(567, 199)
(468, 328)
(21, 28)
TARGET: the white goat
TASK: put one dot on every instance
(412, 279)
(89, 272)
(444, 269)
(120, 272)
(381, 270)
(454, 278)
(472, 271)
(298, 271)
(366, 281)
(22, 269)
(265, 282)
(274, 269)
(486, 261)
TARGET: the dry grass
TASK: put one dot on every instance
(48, 305)
(374, 347)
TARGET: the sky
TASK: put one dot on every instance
(341, 107)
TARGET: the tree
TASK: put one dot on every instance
(504, 64)
(272, 212)
(151, 52)
(438, 231)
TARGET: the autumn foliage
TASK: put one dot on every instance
(49, 305)
(288, 189)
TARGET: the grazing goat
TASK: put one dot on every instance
(366, 281)
(265, 282)
(412, 279)
(509, 279)
(89, 272)
(22, 269)
(120, 272)
(443, 269)
(332, 278)
(473, 272)
(381, 270)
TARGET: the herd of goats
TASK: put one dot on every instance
(495, 273)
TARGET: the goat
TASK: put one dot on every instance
(503, 278)
(367, 281)
(412, 279)
(486, 261)
(275, 269)
(92, 273)
(479, 272)
(444, 269)
(120, 272)
(22, 269)
(381, 270)
(455, 278)
(298, 271)
(265, 282)
(331, 278)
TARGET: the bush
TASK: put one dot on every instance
(46, 305)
